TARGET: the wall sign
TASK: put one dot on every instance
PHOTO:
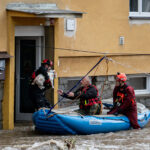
(70, 25)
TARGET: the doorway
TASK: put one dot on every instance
(28, 58)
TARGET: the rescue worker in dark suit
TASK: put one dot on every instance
(37, 92)
(124, 100)
(88, 95)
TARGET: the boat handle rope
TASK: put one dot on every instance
(104, 57)
(51, 115)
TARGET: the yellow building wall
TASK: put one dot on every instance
(98, 30)
(127, 64)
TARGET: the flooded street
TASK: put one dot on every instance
(25, 138)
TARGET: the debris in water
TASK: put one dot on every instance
(70, 143)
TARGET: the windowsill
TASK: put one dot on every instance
(140, 17)
(144, 16)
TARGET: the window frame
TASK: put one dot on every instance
(139, 13)
(144, 91)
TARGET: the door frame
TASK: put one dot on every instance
(18, 114)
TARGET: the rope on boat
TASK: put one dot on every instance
(82, 116)
(104, 57)
(106, 79)
(51, 115)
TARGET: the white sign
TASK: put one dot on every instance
(70, 25)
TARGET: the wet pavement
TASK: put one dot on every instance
(24, 137)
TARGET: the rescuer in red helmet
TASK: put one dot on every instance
(47, 63)
(40, 82)
(124, 100)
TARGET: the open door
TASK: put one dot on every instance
(28, 58)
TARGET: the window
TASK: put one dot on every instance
(133, 5)
(139, 8)
(141, 84)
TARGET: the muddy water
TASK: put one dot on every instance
(25, 138)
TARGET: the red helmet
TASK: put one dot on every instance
(48, 62)
(121, 77)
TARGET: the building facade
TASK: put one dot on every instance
(75, 35)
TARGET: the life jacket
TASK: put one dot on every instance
(89, 102)
(121, 94)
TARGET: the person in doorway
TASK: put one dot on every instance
(88, 95)
(124, 100)
(40, 82)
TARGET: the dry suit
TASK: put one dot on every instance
(124, 103)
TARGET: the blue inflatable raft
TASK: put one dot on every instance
(73, 123)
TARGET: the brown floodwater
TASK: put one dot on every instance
(24, 137)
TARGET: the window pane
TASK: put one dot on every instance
(145, 5)
(138, 83)
(133, 5)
